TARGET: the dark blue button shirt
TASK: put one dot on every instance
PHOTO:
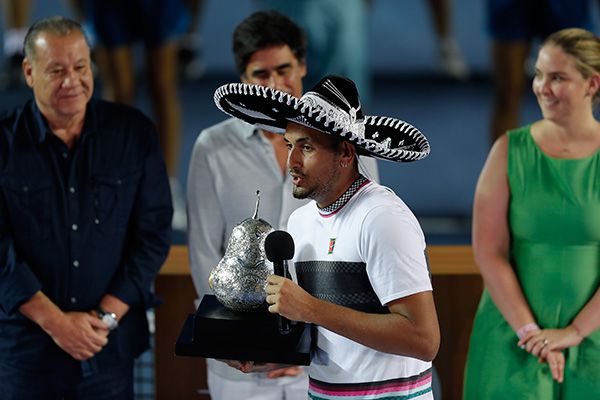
(80, 223)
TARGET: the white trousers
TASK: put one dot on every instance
(264, 389)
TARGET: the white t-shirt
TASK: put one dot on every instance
(376, 228)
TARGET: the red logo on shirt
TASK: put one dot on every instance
(331, 245)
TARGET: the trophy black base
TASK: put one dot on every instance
(216, 331)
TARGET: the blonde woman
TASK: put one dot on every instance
(536, 238)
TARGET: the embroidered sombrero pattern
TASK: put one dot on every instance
(333, 107)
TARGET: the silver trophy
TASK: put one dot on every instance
(223, 326)
(239, 279)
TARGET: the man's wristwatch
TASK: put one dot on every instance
(109, 318)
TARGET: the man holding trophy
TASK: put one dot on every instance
(359, 259)
(269, 50)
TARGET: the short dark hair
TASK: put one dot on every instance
(264, 29)
(56, 25)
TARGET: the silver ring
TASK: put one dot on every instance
(545, 341)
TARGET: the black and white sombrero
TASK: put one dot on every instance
(332, 107)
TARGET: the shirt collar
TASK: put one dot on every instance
(344, 198)
(255, 132)
(250, 133)
(41, 128)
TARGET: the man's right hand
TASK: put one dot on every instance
(251, 366)
(81, 335)
(288, 371)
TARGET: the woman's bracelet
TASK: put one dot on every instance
(532, 326)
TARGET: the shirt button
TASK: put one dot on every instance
(65, 155)
(25, 188)
(72, 189)
(73, 300)
(96, 221)
(74, 227)
(76, 264)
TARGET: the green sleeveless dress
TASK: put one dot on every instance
(554, 217)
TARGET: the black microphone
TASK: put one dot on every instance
(279, 247)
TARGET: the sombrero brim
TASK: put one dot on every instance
(382, 137)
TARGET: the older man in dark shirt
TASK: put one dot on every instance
(85, 214)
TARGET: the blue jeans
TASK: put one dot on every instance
(116, 383)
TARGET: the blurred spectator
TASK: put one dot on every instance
(16, 23)
(159, 24)
(513, 26)
(337, 36)
(451, 60)
(191, 65)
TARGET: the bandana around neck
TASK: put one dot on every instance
(344, 198)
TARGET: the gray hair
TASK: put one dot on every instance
(59, 26)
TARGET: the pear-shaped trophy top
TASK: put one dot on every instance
(239, 279)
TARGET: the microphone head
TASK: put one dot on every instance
(279, 245)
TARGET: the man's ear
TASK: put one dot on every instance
(27, 72)
(303, 67)
(347, 152)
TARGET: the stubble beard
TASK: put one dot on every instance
(301, 193)
(319, 190)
